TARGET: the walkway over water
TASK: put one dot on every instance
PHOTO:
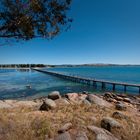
(90, 81)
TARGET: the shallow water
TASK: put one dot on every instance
(13, 83)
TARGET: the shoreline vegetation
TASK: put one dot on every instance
(63, 65)
(73, 116)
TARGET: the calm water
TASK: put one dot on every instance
(13, 83)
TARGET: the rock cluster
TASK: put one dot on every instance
(107, 124)
(111, 97)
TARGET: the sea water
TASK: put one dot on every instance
(16, 84)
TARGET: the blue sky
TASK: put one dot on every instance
(103, 31)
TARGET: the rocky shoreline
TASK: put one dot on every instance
(83, 116)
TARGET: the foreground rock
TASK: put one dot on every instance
(101, 134)
(128, 100)
(109, 123)
(119, 115)
(72, 96)
(98, 101)
(47, 105)
(120, 106)
(54, 95)
(86, 102)
(62, 101)
(109, 95)
(77, 98)
(81, 136)
(5, 105)
(63, 136)
(64, 128)
(118, 98)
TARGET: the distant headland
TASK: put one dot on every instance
(61, 65)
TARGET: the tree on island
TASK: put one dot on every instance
(28, 19)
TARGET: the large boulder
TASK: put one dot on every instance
(47, 105)
(101, 134)
(86, 102)
(98, 101)
(76, 98)
(65, 127)
(120, 106)
(119, 115)
(82, 96)
(111, 100)
(128, 100)
(122, 95)
(62, 101)
(118, 98)
(54, 95)
(72, 96)
(109, 123)
(109, 95)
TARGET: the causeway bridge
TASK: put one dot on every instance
(90, 81)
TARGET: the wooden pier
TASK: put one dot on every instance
(90, 81)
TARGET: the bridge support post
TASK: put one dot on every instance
(88, 82)
(103, 86)
(94, 84)
(114, 87)
(124, 88)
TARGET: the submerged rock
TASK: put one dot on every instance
(54, 95)
(109, 123)
(101, 134)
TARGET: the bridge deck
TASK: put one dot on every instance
(78, 78)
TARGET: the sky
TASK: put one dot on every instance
(102, 31)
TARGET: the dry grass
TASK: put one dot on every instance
(30, 124)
